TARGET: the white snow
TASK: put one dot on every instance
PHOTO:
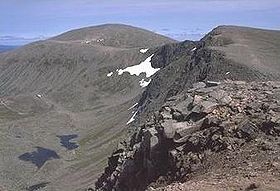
(133, 106)
(145, 67)
(193, 49)
(87, 41)
(100, 40)
(227, 73)
(143, 83)
(144, 50)
(39, 95)
(132, 118)
(110, 74)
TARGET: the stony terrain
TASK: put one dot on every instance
(220, 136)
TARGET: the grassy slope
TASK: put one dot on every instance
(255, 48)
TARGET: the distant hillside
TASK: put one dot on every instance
(4, 48)
(255, 48)
(116, 35)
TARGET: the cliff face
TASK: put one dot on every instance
(191, 128)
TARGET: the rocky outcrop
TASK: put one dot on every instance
(210, 117)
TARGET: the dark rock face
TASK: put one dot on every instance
(176, 140)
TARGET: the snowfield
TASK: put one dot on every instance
(132, 118)
(144, 50)
(144, 83)
(110, 74)
(143, 67)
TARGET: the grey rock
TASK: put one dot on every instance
(166, 113)
(247, 130)
(168, 129)
(184, 128)
(205, 107)
(212, 83)
(199, 85)
(185, 105)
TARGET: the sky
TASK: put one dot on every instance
(23, 21)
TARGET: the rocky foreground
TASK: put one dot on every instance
(215, 136)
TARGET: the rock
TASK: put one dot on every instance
(247, 130)
(168, 129)
(152, 135)
(221, 96)
(197, 99)
(208, 106)
(252, 186)
(184, 106)
(239, 82)
(225, 100)
(195, 126)
(205, 107)
(277, 129)
(212, 83)
(199, 85)
(166, 113)
(184, 128)
(178, 116)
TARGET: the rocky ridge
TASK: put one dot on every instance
(195, 128)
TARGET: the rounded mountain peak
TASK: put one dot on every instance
(115, 35)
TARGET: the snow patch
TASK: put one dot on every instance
(143, 67)
(143, 83)
(110, 74)
(132, 118)
(100, 40)
(193, 49)
(133, 106)
(39, 95)
(144, 50)
(227, 73)
(87, 41)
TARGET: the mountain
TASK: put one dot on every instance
(155, 106)
(204, 116)
(227, 52)
(65, 104)
(4, 48)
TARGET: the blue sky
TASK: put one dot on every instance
(22, 21)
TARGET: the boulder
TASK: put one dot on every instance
(199, 85)
(247, 130)
(168, 129)
(184, 106)
(205, 107)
